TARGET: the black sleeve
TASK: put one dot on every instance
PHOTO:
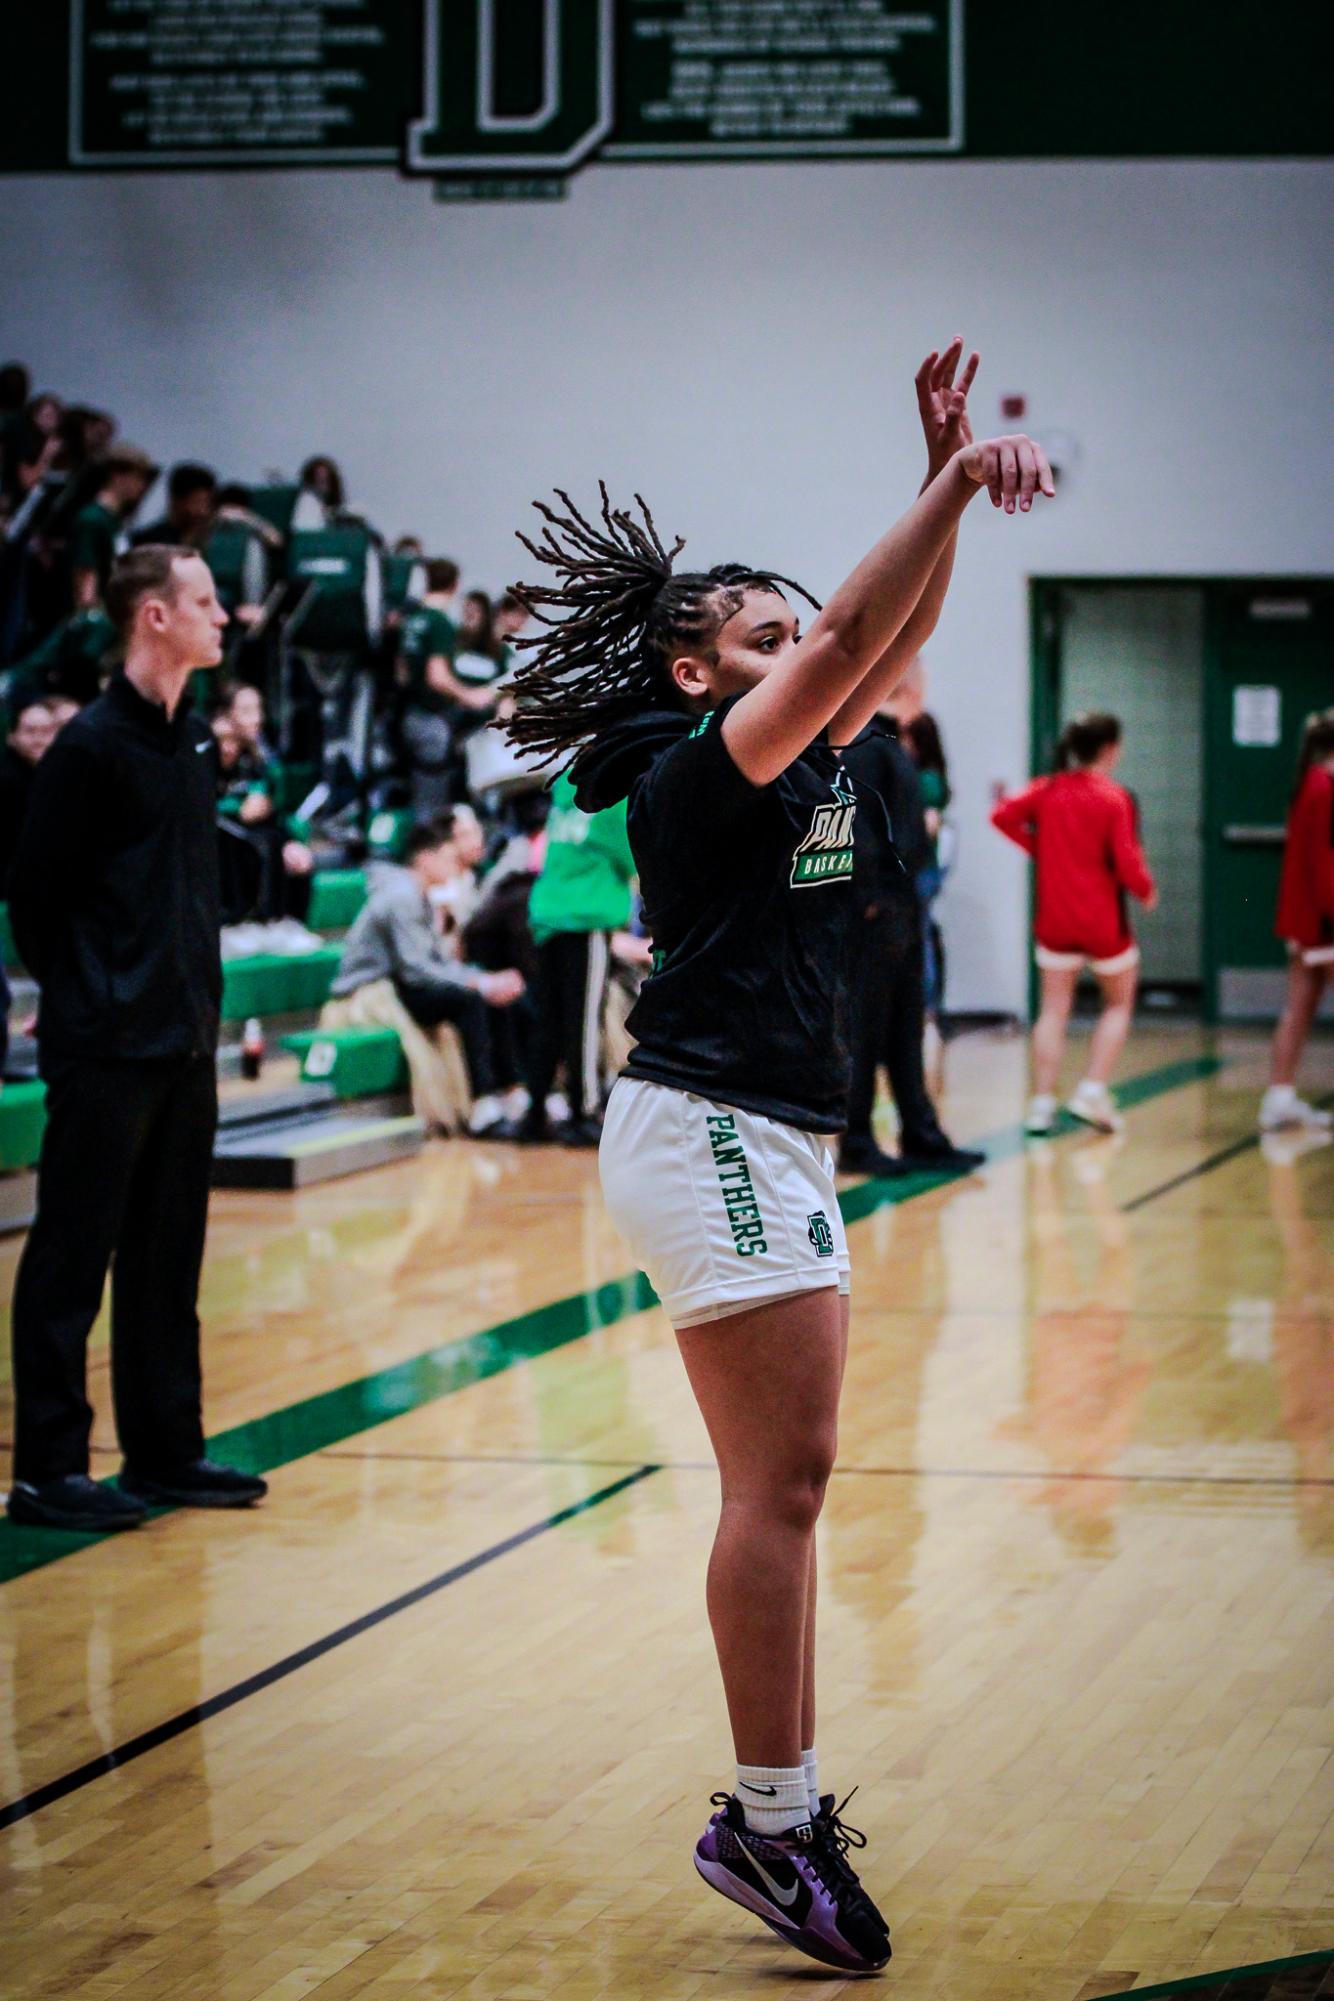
(695, 788)
(55, 847)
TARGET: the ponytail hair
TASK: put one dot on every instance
(1084, 738)
(612, 621)
(1316, 745)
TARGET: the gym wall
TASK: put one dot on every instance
(738, 344)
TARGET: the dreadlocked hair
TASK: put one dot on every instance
(612, 621)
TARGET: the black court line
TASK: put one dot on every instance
(859, 1472)
(190, 1719)
(1205, 1166)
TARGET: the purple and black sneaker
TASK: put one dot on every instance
(800, 1884)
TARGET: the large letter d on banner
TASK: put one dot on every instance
(513, 86)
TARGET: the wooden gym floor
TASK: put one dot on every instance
(441, 1719)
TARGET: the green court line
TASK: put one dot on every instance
(264, 1443)
(1198, 1981)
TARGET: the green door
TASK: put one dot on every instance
(1270, 663)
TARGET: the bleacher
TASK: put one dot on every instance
(286, 990)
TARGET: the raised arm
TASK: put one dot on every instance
(773, 723)
(942, 405)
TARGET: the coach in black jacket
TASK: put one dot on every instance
(114, 901)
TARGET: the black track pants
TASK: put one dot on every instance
(123, 1183)
(887, 1022)
(569, 995)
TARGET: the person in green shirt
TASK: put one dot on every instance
(435, 697)
(581, 897)
(100, 530)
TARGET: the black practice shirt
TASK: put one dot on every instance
(747, 898)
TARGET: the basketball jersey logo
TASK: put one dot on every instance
(820, 1234)
(825, 852)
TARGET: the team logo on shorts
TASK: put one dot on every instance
(820, 1234)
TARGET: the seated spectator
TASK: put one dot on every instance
(249, 791)
(85, 436)
(191, 502)
(459, 897)
(29, 447)
(396, 943)
(35, 729)
(100, 532)
(15, 389)
(71, 663)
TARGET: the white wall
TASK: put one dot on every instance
(739, 345)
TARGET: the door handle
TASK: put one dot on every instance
(1239, 835)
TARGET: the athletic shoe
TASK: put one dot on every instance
(1093, 1105)
(944, 1159)
(1041, 1115)
(838, 1837)
(201, 1484)
(798, 1883)
(1282, 1113)
(74, 1502)
(578, 1132)
(862, 1156)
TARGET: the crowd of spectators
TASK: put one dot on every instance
(446, 936)
(501, 938)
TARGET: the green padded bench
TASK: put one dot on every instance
(22, 1122)
(336, 897)
(358, 1062)
(277, 982)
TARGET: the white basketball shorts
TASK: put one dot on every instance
(724, 1209)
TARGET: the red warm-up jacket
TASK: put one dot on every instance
(1080, 827)
(1306, 886)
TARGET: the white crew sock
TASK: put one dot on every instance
(1278, 1097)
(1089, 1087)
(810, 1764)
(774, 1797)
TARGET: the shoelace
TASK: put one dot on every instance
(842, 1836)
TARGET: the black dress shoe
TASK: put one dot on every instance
(863, 1156)
(74, 1502)
(201, 1484)
(944, 1159)
(578, 1132)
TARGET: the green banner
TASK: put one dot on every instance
(516, 96)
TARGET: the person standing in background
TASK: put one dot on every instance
(1081, 829)
(32, 736)
(115, 902)
(434, 697)
(1305, 923)
(101, 530)
(192, 493)
(581, 897)
(887, 983)
(922, 740)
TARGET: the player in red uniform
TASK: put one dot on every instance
(1080, 827)
(1305, 922)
